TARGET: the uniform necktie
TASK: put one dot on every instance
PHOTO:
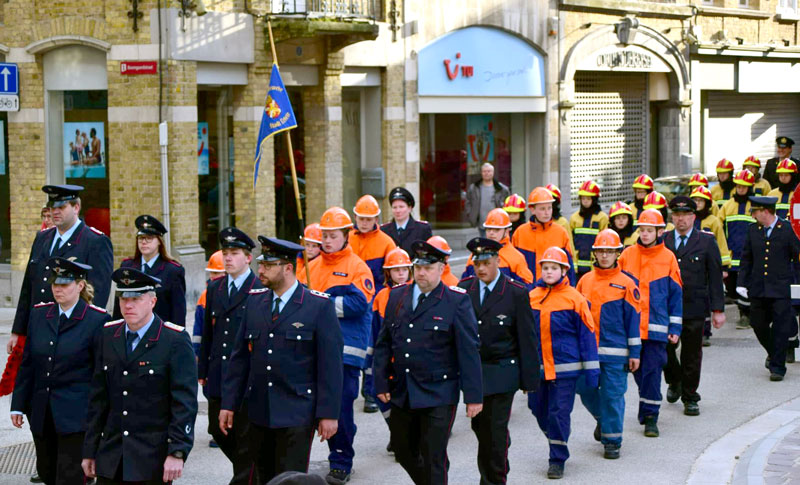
(276, 308)
(145, 268)
(682, 243)
(420, 299)
(57, 246)
(766, 232)
(400, 232)
(232, 289)
(485, 295)
(62, 320)
(130, 337)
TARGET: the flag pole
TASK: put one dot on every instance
(291, 164)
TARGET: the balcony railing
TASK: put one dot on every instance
(339, 9)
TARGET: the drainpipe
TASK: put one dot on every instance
(162, 141)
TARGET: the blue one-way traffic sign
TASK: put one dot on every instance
(9, 79)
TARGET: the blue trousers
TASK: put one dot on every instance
(552, 405)
(607, 402)
(648, 378)
(341, 444)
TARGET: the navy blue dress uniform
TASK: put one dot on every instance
(225, 308)
(52, 386)
(772, 164)
(414, 230)
(86, 244)
(509, 358)
(286, 368)
(427, 351)
(171, 303)
(700, 263)
(768, 268)
(143, 399)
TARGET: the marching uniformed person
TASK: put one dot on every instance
(642, 186)
(760, 186)
(736, 218)
(448, 278)
(426, 353)
(514, 206)
(512, 262)
(700, 180)
(151, 257)
(787, 174)
(312, 242)
(52, 386)
(707, 221)
(724, 190)
(143, 398)
(286, 366)
(348, 280)
(585, 224)
(214, 271)
(69, 238)
(620, 219)
(558, 217)
(783, 145)
(403, 228)
(769, 266)
(656, 200)
(225, 306)
(703, 293)
(509, 353)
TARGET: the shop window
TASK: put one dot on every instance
(286, 223)
(452, 148)
(5, 195)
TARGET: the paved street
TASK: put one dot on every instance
(737, 411)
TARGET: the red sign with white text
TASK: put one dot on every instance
(794, 211)
(132, 68)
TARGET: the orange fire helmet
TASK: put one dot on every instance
(313, 233)
(589, 189)
(724, 165)
(335, 218)
(655, 200)
(745, 177)
(701, 192)
(540, 195)
(553, 188)
(367, 206)
(643, 181)
(556, 255)
(497, 219)
(786, 166)
(397, 258)
(440, 243)
(753, 161)
(514, 203)
(607, 239)
(698, 180)
(215, 263)
(651, 217)
(620, 208)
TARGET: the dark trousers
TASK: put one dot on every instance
(552, 405)
(117, 480)
(648, 378)
(686, 370)
(341, 444)
(278, 450)
(58, 456)
(419, 438)
(235, 444)
(773, 323)
(491, 429)
(730, 288)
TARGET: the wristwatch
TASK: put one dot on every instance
(178, 454)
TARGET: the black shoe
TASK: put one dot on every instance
(555, 471)
(370, 406)
(650, 427)
(790, 356)
(337, 477)
(743, 323)
(610, 451)
(775, 377)
(690, 408)
(597, 432)
(36, 479)
(673, 393)
(706, 341)
(389, 448)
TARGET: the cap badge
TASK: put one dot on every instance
(126, 272)
(230, 238)
(297, 325)
(783, 139)
(59, 270)
(126, 281)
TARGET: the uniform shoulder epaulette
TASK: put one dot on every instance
(96, 231)
(43, 304)
(172, 326)
(458, 289)
(516, 283)
(386, 224)
(114, 322)
(175, 263)
(97, 308)
(467, 278)
(398, 285)
(319, 294)
(424, 222)
(127, 259)
(256, 291)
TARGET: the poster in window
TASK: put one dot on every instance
(2, 148)
(480, 142)
(202, 148)
(84, 150)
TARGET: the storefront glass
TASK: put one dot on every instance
(452, 148)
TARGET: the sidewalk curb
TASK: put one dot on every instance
(718, 464)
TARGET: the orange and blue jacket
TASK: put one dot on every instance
(613, 298)
(301, 265)
(534, 238)
(348, 281)
(659, 277)
(512, 264)
(565, 326)
(448, 278)
(584, 231)
(372, 247)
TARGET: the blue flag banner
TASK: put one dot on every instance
(278, 115)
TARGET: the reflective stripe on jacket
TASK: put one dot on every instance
(583, 234)
(735, 218)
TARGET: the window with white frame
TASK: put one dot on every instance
(744, 3)
(787, 6)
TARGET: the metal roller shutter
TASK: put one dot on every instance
(608, 132)
(737, 125)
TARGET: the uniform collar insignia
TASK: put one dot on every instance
(501, 317)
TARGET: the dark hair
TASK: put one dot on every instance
(92, 132)
(162, 250)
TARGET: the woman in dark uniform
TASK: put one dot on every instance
(151, 257)
(52, 386)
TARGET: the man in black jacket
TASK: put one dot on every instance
(483, 195)
(701, 271)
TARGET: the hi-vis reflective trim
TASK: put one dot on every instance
(611, 435)
(635, 341)
(726, 259)
(370, 350)
(650, 401)
(592, 364)
(368, 371)
(652, 327)
(583, 263)
(612, 351)
(721, 202)
(676, 320)
(338, 303)
(735, 262)
(355, 351)
(557, 442)
(782, 206)
(197, 339)
(739, 218)
(743, 302)
(586, 230)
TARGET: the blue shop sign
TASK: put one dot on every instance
(480, 61)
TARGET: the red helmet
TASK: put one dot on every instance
(440, 243)
(497, 219)
(620, 208)
(540, 195)
(753, 161)
(215, 263)
(397, 258)
(643, 181)
(655, 200)
(589, 189)
(554, 190)
(555, 255)
(335, 218)
(514, 203)
(698, 180)
(786, 166)
(367, 206)
(313, 233)
(607, 239)
(724, 165)
(702, 192)
(745, 177)
(651, 217)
